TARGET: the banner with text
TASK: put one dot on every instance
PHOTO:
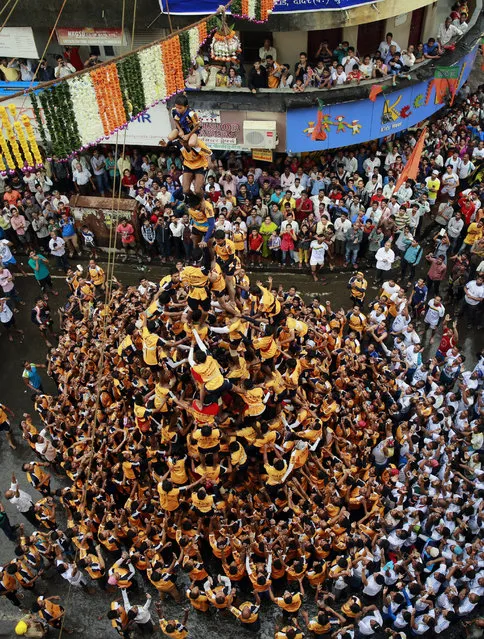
(351, 123)
(205, 7)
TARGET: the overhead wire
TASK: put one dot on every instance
(9, 14)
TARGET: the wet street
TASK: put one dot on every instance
(86, 613)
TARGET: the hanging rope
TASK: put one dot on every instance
(9, 14)
(5, 6)
(109, 274)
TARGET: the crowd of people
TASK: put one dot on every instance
(46, 69)
(330, 67)
(231, 446)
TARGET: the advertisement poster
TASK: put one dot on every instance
(350, 123)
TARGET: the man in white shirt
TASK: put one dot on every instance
(450, 182)
(454, 161)
(447, 32)
(81, 178)
(63, 68)
(139, 614)
(98, 164)
(474, 296)
(57, 247)
(22, 501)
(341, 225)
(478, 152)
(287, 179)
(385, 45)
(266, 50)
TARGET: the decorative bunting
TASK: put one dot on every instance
(88, 108)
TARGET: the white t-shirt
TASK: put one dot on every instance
(384, 259)
(317, 252)
(57, 246)
(5, 252)
(475, 290)
(5, 314)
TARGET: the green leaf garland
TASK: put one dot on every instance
(38, 119)
(185, 52)
(129, 70)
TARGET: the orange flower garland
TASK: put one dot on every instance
(202, 32)
(245, 7)
(108, 95)
(172, 63)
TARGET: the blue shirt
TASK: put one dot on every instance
(431, 50)
(419, 294)
(318, 185)
(68, 229)
(33, 376)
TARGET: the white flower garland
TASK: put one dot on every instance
(251, 8)
(194, 42)
(152, 73)
(86, 109)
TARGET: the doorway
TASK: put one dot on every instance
(416, 26)
(333, 36)
(369, 37)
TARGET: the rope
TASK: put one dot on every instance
(45, 50)
(102, 352)
(5, 6)
(49, 40)
(9, 14)
(134, 24)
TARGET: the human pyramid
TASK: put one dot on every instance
(245, 446)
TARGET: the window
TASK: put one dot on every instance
(108, 51)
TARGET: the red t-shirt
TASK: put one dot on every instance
(447, 342)
(255, 242)
(126, 232)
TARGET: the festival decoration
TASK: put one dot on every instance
(18, 146)
(87, 108)
(225, 45)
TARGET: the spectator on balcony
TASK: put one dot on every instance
(266, 50)
(26, 70)
(257, 77)
(408, 58)
(325, 81)
(71, 54)
(222, 79)
(350, 60)
(448, 32)
(431, 49)
(419, 53)
(273, 72)
(355, 75)
(341, 51)
(301, 68)
(193, 80)
(234, 80)
(395, 66)
(389, 56)
(45, 72)
(324, 53)
(340, 75)
(461, 22)
(63, 68)
(385, 45)
(367, 67)
(286, 78)
(9, 71)
(380, 70)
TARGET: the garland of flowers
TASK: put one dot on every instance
(109, 98)
(25, 156)
(185, 53)
(173, 65)
(31, 137)
(84, 110)
(61, 97)
(152, 74)
(38, 119)
(131, 84)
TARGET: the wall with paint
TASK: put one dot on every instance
(350, 123)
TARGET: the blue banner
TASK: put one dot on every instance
(351, 123)
(206, 7)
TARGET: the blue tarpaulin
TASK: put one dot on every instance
(206, 7)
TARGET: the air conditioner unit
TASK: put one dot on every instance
(260, 135)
